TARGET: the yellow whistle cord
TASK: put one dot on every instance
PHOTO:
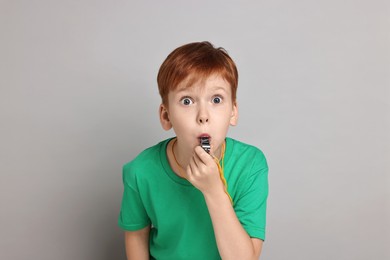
(221, 172)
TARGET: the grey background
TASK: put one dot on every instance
(78, 99)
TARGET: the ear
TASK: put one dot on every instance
(234, 117)
(164, 118)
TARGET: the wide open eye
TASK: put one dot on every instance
(217, 100)
(186, 101)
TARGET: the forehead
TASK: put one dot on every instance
(195, 82)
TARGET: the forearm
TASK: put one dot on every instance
(137, 244)
(232, 240)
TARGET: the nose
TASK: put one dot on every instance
(203, 120)
(203, 116)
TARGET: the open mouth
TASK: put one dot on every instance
(204, 136)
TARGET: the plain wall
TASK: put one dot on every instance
(78, 99)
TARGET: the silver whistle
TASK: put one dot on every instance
(205, 144)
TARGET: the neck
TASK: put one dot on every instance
(178, 163)
(178, 156)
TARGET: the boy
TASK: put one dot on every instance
(179, 201)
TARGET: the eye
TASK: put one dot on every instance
(186, 101)
(217, 100)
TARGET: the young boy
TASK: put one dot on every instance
(179, 201)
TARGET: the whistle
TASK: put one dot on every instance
(205, 144)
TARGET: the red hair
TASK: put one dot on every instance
(193, 62)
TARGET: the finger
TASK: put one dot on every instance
(203, 156)
(194, 169)
(198, 161)
(203, 166)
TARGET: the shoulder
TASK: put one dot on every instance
(246, 153)
(147, 161)
(241, 146)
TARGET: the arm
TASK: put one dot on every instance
(232, 240)
(137, 244)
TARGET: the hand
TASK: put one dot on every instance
(202, 172)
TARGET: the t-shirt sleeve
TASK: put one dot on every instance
(251, 205)
(132, 215)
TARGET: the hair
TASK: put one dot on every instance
(193, 62)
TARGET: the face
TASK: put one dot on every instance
(203, 109)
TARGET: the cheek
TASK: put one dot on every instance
(224, 118)
(184, 116)
(180, 124)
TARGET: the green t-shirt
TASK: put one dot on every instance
(181, 225)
